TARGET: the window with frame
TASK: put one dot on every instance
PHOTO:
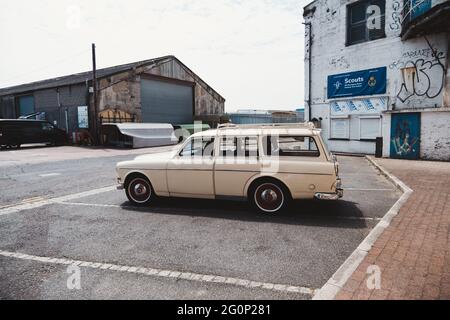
(290, 146)
(340, 127)
(239, 147)
(199, 147)
(359, 16)
(369, 128)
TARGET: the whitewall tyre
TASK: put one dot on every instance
(139, 191)
(269, 198)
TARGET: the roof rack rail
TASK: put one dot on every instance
(306, 125)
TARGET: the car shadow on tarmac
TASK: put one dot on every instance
(338, 214)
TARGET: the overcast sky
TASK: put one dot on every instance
(250, 51)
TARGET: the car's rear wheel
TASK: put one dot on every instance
(269, 197)
(139, 190)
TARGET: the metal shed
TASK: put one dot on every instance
(167, 101)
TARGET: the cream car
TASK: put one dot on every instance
(269, 165)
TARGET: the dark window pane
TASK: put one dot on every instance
(358, 34)
(358, 12)
(357, 16)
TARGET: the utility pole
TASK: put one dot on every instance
(94, 85)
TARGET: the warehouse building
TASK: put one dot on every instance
(259, 116)
(379, 68)
(161, 90)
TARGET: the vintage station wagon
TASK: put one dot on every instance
(269, 165)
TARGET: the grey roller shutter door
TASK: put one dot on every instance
(166, 102)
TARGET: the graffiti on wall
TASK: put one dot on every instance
(396, 16)
(423, 74)
(405, 136)
(402, 142)
(340, 62)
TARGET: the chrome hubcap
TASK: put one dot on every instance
(140, 189)
(269, 195)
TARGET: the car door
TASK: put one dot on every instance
(31, 132)
(47, 132)
(237, 162)
(190, 172)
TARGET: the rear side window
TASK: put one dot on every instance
(239, 147)
(290, 146)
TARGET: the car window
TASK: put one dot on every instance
(290, 146)
(47, 126)
(239, 147)
(199, 147)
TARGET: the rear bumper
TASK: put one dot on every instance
(332, 196)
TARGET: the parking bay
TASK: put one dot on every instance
(302, 247)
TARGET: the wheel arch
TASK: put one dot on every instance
(134, 174)
(252, 183)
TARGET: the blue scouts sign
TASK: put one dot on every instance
(358, 83)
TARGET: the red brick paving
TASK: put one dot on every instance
(414, 251)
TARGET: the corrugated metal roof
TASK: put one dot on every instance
(79, 77)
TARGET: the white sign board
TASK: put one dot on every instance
(358, 106)
(83, 117)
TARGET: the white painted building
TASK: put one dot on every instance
(363, 82)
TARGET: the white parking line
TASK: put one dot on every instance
(40, 203)
(172, 274)
(46, 175)
(82, 204)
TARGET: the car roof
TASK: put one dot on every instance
(22, 120)
(298, 129)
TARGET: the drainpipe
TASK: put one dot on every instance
(308, 24)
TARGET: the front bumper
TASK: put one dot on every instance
(332, 196)
(120, 185)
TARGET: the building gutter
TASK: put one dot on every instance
(308, 24)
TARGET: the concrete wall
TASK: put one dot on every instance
(330, 55)
(435, 142)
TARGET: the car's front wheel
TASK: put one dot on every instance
(269, 197)
(139, 190)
